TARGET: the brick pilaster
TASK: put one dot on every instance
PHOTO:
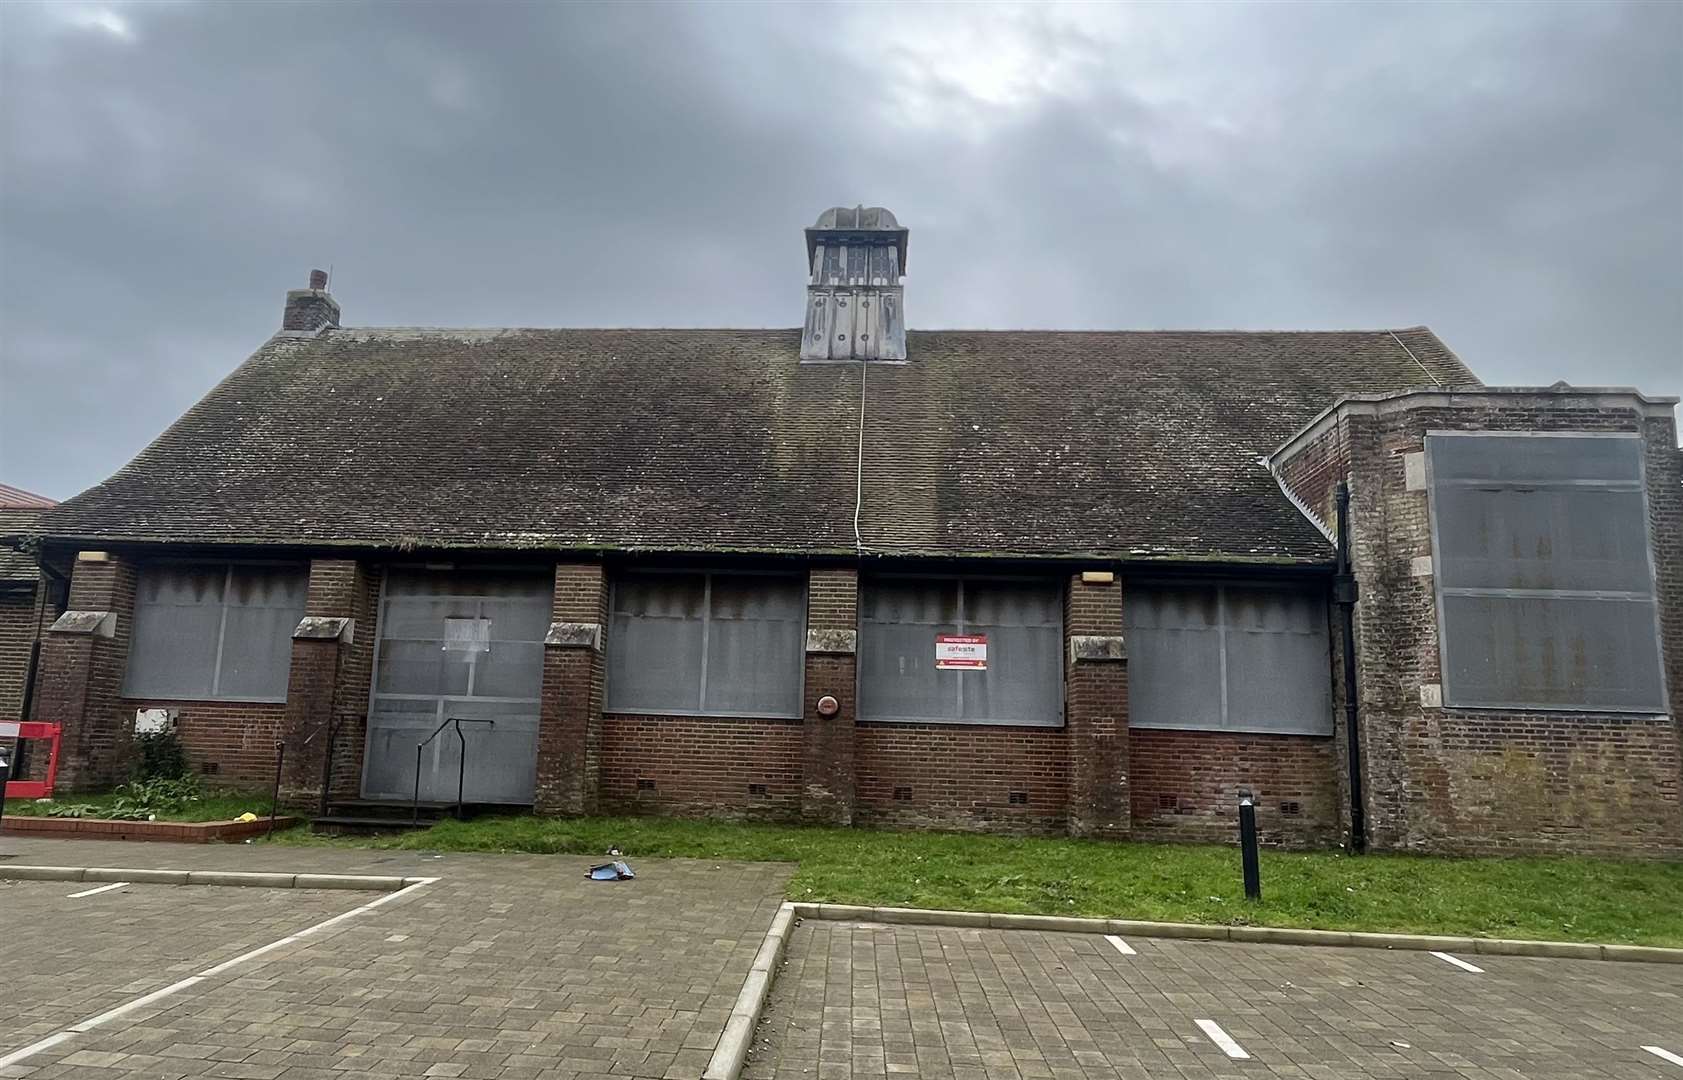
(1096, 709)
(570, 709)
(81, 674)
(313, 727)
(828, 769)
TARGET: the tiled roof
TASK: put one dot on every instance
(17, 565)
(1131, 444)
(12, 498)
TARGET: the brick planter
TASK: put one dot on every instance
(181, 832)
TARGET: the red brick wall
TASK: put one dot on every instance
(961, 776)
(356, 674)
(832, 600)
(230, 742)
(570, 708)
(1096, 715)
(81, 677)
(1460, 781)
(1186, 784)
(829, 778)
(18, 615)
(701, 766)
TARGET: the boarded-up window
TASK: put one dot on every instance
(707, 644)
(1544, 576)
(1228, 657)
(214, 631)
(899, 621)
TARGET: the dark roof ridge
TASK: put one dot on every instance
(1206, 331)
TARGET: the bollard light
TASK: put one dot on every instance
(1247, 846)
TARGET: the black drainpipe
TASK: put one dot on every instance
(51, 585)
(1344, 592)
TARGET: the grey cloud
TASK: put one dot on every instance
(1511, 175)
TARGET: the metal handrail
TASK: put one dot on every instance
(461, 761)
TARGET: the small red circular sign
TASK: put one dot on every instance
(828, 706)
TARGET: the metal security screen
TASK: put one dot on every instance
(899, 621)
(1545, 579)
(707, 644)
(1228, 657)
(214, 631)
(463, 644)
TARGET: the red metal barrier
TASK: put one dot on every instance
(29, 729)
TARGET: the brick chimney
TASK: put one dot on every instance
(311, 309)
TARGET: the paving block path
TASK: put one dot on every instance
(508, 968)
(859, 1001)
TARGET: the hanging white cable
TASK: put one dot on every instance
(859, 466)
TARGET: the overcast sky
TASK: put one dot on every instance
(1509, 174)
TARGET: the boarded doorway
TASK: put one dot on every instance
(457, 644)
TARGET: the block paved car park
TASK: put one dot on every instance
(860, 1000)
(506, 967)
(514, 967)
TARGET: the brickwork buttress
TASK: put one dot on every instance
(829, 759)
(570, 729)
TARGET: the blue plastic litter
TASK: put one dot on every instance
(614, 871)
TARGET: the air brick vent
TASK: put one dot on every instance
(645, 784)
(1018, 798)
(1290, 809)
(757, 790)
(903, 794)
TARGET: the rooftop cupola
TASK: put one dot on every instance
(854, 300)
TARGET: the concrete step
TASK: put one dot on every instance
(347, 824)
(390, 809)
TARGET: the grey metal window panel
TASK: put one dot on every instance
(655, 640)
(264, 604)
(898, 623)
(1578, 538)
(214, 631)
(1551, 652)
(1514, 458)
(755, 646)
(177, 624)
(1279, 660)
(1544, 573)
(900, 620)
(707, 643)
(1023, 682)
(1229, 657)
(1174, 656)
(419, 683)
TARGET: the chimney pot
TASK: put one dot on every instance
(318, 279)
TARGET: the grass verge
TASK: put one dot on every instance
(1575, 899)
(214, 805)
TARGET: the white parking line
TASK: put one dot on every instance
(1121, 946)
(1222, 1039)
(1664, 1054)
(96, 892)
(193, 980)
(1458, 962)
(35, 1048)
